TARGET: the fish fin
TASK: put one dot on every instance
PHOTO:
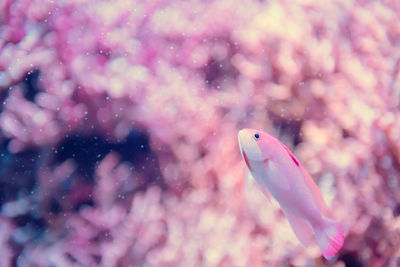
(268, 196)
(315, 191)
(330, 237)
(300, 226)
(251, 183)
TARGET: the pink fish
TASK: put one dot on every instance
(279, 173)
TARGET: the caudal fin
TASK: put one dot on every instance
(329, 238)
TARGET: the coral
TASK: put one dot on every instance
(119, 121)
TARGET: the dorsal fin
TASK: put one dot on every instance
(291, 155)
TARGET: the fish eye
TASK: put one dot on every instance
(256, 135)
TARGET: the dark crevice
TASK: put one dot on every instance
(345, 133)
(30, 84)
(350, 259)
(17, 173)
(290, 128)
(217, 73)
(89, 151)
(396, 210)
(19, 177)
(212, 71)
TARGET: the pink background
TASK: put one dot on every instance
(119, 121)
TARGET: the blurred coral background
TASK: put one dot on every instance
(119, 121)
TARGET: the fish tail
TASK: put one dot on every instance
(330, 237)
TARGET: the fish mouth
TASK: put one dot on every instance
(242, 137)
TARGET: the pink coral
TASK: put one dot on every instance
(119, 123)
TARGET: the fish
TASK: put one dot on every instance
(279, 174)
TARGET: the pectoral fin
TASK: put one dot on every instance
(251, 184)
(301, 228)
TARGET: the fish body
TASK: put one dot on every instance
(279, 173)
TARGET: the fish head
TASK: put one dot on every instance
(269, 161)
(257, 146)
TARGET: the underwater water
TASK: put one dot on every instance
(119, 123)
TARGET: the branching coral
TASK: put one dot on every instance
(119, 123)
